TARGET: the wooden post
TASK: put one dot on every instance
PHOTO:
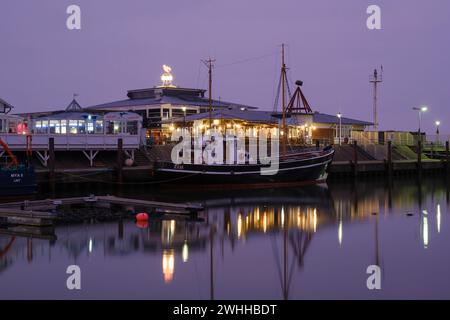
(389, 156)
(447, 157)
(51, 162)
(355, 158)
(419, 158)
(119, 159)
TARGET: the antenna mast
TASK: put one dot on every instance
(283, 100)
(210, 65)
(375, 80)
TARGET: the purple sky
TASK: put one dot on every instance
(123, 44)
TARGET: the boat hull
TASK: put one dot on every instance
(17, 181)
(307, 169)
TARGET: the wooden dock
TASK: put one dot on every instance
(36, 212)
(27, 217)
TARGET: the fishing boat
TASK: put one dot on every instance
(307, 165)
(16, 178)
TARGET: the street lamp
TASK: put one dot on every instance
(438, 123)
(339, 115)
(420, 110)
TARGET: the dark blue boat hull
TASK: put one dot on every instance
(17, 181)
(312, 169)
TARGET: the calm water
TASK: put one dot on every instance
(313, 242)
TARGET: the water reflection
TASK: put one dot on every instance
(257, 244)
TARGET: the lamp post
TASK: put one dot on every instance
(339, 115)
(420, 110)
(438, 123)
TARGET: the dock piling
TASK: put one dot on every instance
(419, 158)
(389, 159)
(355, 158)
(51, 162)
(447, 157)
(119, 159)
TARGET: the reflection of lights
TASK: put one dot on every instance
(216, 122)
(438, 218)
(282, 216)
(425, 229)
(168, 265)
(185, 253)
(239, 225)
(91, 243)
(172, 226)
(340, 232)
(168, 231)
(265, 223)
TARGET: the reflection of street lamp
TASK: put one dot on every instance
(425, 229)
(420, 111)
(339, 115)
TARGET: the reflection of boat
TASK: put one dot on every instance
(16, 178)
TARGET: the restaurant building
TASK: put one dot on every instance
(162, 103)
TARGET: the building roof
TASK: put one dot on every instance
(173, 96)
(74, 106)
(5, 105)
(68, 115)
(332, 119)
(266, 117)
(119, 116)
(246, 115)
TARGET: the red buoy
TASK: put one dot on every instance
(142, 224)
(142, 217)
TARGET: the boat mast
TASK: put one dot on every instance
(210, 64)
(283, 99)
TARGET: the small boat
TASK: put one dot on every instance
(16, 178)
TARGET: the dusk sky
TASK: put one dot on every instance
(123, 44)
